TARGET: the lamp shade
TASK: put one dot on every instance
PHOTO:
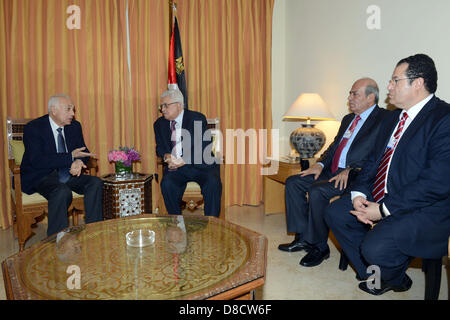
(309, 106)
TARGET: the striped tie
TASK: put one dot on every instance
(337, 154)
(380, 181)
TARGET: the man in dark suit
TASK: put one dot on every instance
(403, 187)
(332, 173)
(55, 155)
(179, 135)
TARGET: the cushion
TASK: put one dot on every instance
(193, 186)
(37, 198)
(18, 149)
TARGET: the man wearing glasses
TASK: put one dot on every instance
(182, 144)
(55, 155)
(400, 202)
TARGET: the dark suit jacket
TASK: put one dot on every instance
(418, 180)
(361, 144)
(195, 124)
(40, 157)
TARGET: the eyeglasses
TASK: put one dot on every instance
(164, 106)
(394, 81)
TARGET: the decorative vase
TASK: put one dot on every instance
(121, 169)
(307, 140)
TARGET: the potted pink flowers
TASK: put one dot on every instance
(123, 159)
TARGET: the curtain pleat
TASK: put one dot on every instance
(226, 47)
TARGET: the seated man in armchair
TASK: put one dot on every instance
(179, 142)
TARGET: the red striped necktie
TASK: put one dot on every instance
(337, 154)
(380, 181)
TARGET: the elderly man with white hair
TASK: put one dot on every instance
(55, 155)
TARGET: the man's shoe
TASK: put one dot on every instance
(296, 245)
(314, 257)
(384, 287)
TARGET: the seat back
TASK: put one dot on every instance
(14, 129)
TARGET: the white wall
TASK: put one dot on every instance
(323, 46)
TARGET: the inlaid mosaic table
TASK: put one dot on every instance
(127, 195)
(192, 257)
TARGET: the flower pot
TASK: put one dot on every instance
(121, 169)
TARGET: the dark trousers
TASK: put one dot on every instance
(59, 197)
(304, 215)
(364, 246)
(174, 183)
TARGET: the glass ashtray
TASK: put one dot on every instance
(140, 238)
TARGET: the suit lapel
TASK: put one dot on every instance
(366, 127)
(415, 125)
(48, 133)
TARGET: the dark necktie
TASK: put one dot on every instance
(63, 173)
(337, 154)
(380, 181)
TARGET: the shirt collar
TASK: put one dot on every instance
(414, 110)
(366, 113)
(54, 125)
(179, 119)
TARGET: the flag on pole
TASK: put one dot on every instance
(177, 78)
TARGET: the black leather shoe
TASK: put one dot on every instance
(314, 257)
(384, 287)
(296, 245)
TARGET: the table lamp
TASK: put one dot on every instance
(308, 140)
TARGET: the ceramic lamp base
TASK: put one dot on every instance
(307, 140)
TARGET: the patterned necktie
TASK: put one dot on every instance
(173, 138)
(380, 181)
(63, 173)
(337, 154)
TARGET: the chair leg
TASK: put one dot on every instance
(433, 271)
(75, 217)
(343, 262)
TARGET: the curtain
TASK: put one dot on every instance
(227, 49)
(115, 68)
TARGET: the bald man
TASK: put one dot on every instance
(333, 172)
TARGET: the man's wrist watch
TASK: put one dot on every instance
(383, 215)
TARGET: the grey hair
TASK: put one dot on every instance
(175, 95)
(55, 99)
(372, 87)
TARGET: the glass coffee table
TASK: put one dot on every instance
(188, 257)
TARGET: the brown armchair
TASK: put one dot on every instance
(27, 208)
(192, 197)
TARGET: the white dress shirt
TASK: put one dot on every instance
(178, 145)
(55, 133)
(412, 113)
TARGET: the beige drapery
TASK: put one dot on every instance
(227, 52)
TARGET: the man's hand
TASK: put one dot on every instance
(77, 167)
(173, 162)
(78, 153)
(366, 211)
(316, 170)
(341, 179)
